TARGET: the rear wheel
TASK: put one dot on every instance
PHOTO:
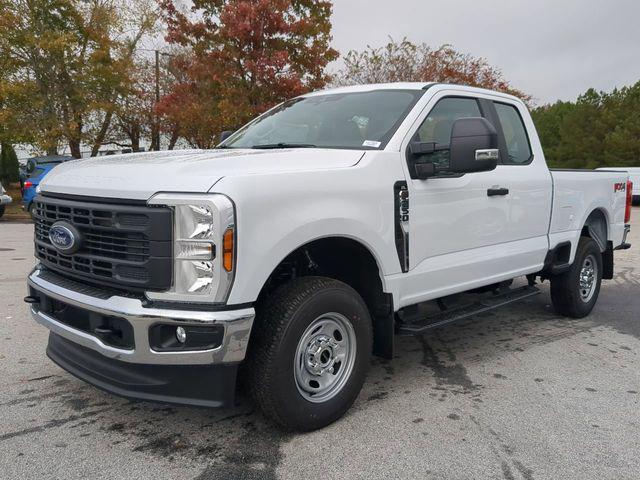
(309, 353)
(575, 292)
(2, 210)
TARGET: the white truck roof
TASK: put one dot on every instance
(370, 87)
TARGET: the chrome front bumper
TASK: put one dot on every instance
(237, 327)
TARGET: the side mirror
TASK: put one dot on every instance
(224, 135)
(473, 146)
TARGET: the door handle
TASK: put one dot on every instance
(494, 192)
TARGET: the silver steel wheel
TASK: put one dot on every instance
(325, 357)
(588, 278)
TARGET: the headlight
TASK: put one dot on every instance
(203, 247)
(38, 188)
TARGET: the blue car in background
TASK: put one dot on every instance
(36, 169)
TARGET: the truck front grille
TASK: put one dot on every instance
(123, 246)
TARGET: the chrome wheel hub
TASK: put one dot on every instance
(321, 355)
(588, 278)
(325, 357)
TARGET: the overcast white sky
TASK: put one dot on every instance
(551, 49)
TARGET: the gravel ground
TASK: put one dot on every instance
(519, 393)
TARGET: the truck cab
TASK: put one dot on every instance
(306, 240)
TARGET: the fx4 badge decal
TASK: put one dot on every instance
(619, 187)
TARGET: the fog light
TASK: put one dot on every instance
(181, 334)
(174, 338)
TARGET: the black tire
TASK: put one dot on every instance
(2, 210)
(281, 322)
(30, 210)
(566, 294)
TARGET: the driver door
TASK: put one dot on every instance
(457, 231)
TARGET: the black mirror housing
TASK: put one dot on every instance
(473, 146)
(421, 148)
(424, 170)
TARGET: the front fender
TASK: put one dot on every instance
(278, 213)
(254, 267)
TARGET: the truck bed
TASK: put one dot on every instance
(578, 193)
(634, 176)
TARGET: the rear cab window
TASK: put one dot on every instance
(515, 135)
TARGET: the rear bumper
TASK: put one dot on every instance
(5, 200)
(624, 245)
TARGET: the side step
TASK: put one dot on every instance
(416, 326)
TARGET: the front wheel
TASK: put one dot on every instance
(309, 353)
(575, 292)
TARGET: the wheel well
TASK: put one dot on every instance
(596, 227)
(350, 262)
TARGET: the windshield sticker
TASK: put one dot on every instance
(371, 143)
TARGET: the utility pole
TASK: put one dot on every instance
(155, 134)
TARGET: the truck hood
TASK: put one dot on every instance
(140, 175)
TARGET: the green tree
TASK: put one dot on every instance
(76, 59)
(9, 167)
(599, 129)
(548, 119)
(621, 114)
(15, 101)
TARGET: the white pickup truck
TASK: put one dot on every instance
(306, 240)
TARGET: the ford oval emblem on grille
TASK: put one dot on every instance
(64, 237)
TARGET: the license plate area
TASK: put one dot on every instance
(113, 331)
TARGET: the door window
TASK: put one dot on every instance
(437, 126)
(515, 135)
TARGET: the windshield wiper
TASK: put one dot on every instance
(283, 145)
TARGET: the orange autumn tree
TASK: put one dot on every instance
(243, 57)
(409, 62)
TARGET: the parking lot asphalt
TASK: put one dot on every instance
(518, 393)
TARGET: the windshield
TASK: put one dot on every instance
(358, 120)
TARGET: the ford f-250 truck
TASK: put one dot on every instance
(307, 239)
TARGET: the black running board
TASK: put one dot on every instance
(492, 302)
